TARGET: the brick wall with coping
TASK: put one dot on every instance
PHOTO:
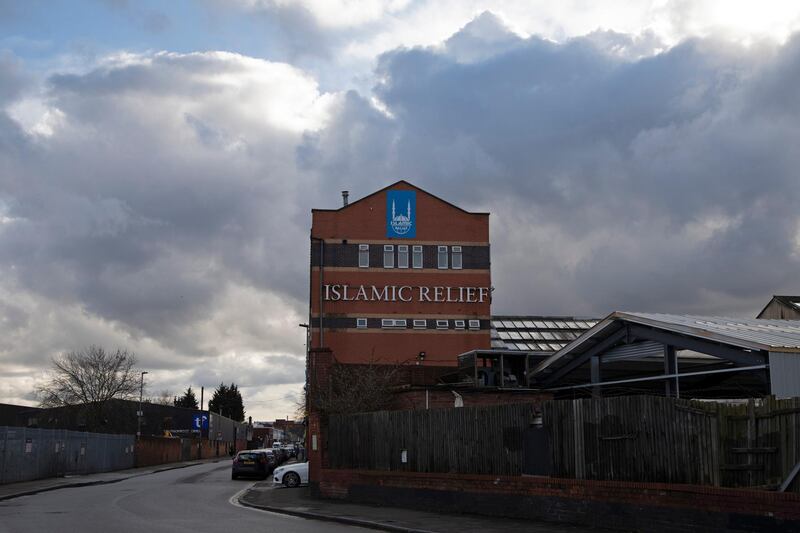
(648, 507)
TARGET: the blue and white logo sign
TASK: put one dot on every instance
(401, 214)
(200, 421)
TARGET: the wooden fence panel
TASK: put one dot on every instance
(752, 443)
(480, 440)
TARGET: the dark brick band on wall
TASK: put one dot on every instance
(346, 255)
(376, 323)
(627, 506)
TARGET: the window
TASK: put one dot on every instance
(442, 324)
(416, 257)
(402, 256)
(396, 323)
(459, 324)
(442, 256)
(420, 324)
(361, 323)
(388, 256)
(474, 324)
(363, 255)
(456, 257)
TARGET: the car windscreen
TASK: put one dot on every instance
(248, 456)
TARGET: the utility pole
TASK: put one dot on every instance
(139, 413)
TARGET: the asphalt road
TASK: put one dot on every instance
(196, 499)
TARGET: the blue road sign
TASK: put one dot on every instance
(200, 421)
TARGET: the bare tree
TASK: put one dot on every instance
(357, 388)
(164, 397)
(91, 377)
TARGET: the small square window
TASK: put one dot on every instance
(460, 324)
(442, 256)
(442, 324)
(361, 323)
(363, 255)
(416, 256)
(456, 257)
(420, 324)
(402, 256)
(474, 324)
(388, 256)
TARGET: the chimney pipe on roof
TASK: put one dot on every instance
(345, 194)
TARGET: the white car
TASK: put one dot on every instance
(291, 475)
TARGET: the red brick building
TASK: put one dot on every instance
(400, 276)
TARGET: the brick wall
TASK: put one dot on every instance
(436, 398)
(157, 450)
(652, 507)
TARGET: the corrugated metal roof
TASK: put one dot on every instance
(760, 334)
(752, 334)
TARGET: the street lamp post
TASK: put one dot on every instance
(139, 413)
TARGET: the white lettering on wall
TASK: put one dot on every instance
(404, 293)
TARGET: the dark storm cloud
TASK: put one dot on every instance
(145, 214)
(662, 183)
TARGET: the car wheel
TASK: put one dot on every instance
(233, 476)
(291, 479)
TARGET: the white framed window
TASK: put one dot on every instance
(416, 256)
(361, 323)
(420, 324)
(396, 323)
(442, 324)
(474, 324)
(456, 260)
(363, 255)
(388, 256)
(442, 255)
(460, 324)
(402, 256)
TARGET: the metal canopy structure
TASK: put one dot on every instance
(704, 355)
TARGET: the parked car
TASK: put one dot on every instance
(290, 450)
(250, 463)
(272, 459)
(291, 475)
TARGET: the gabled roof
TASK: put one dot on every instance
(404, 182)
(792, 302)
(748, 334)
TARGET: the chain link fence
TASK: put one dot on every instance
(31, 453)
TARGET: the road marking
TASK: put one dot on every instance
(235, 502)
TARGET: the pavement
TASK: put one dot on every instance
(28, 488)
(299, 502)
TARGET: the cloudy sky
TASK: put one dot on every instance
(158, 164)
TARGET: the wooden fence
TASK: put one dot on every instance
(755, 443)
(477, 440)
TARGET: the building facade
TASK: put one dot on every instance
(398, 277)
